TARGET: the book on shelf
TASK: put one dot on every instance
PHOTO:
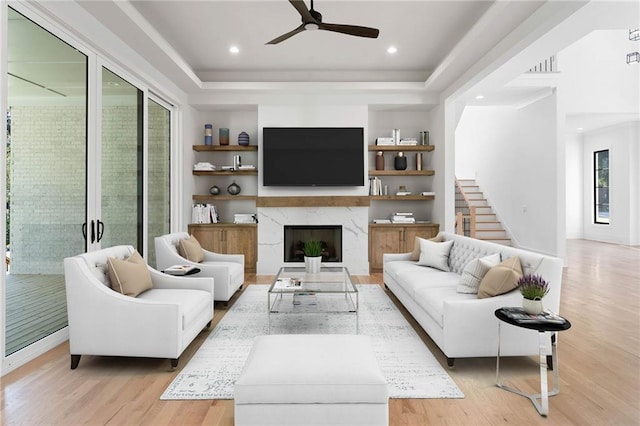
(408, 141)
(385, 141)
(181, 270)
(245, 218)
(401, 217)
(204, 213)
(381, 220)
(519, 315)
(375, 186)
(403, 193)
(427, 193)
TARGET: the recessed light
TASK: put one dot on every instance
(480, 97)
(579, 129)
(392, 49)
(234, 49)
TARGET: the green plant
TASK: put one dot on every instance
(533, 287)
(312, 248)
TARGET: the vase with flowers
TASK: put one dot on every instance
(533, 288)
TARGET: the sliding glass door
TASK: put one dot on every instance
(46, 178)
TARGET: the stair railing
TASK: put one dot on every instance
(470, 218)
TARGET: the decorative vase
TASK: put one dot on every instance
(532, 307)
(234, 188)
(243, 139)
(214, 190)
(208, 134)
(380, 160)
(312, 264)
(400, 162)
(224, 136)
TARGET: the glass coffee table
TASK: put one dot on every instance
(329, 291)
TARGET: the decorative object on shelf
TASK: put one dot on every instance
(379, 160)
(533, 288)
(396, 136)
(224, 136)
(237, 162)
(400, 161)
(208, 134)
(214, 190)
(424, 137)
(418, 161)
(243, 139)
(312, 256)
(234, 188)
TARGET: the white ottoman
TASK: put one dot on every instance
(311, 380)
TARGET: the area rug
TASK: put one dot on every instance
(410, 369)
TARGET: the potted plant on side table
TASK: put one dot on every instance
(312, 256)
(533, 288)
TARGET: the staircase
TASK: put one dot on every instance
(475, 218)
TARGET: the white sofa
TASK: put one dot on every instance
(460, 324)
(158, 323)
(227, 270)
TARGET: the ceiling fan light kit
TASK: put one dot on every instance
(312, 20)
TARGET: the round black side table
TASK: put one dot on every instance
(547, 331)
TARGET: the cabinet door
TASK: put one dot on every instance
(210, 238)
(242, 240)
(383, 240)
(411, 232)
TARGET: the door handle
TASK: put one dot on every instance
(84, 231)
(100, 230)
(93, 231)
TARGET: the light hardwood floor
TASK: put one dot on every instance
(599, 369)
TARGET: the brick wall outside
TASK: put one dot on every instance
(48, 184)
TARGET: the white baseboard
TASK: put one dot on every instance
(34, 350)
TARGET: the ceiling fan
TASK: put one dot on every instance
(312, 20)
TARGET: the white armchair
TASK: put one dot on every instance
(158, 323)
(227, 270)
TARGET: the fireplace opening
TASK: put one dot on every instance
(330, 236)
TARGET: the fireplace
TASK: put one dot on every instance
(329, 235)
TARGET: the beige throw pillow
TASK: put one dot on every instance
(501, 278)
(435, 255)
(129, 277)
(191, 249)
(475, 271)
(415, 254)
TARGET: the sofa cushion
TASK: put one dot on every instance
(435, 255)
(475, 271)
(192, 302)
(501, 278)
(418, 277)
(415, 254)
(191, 249)
(129, 277)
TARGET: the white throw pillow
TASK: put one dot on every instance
(435, 255)
(475, 271)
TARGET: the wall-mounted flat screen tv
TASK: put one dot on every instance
(313, 156)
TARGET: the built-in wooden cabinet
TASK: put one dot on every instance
(395, 238)
(229, 238)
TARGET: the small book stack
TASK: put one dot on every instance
(385, 141)
(375, 186)
(179, 270)
(399, 217)
(519, 315)
(204, 166)
(408, 141)
(245, 218)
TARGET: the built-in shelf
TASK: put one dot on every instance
(320, 201)
(205, 148)
(401, 147)
(401, 172)
(225, 172)
(214, 198)
(403, 197)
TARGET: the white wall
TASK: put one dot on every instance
(622, 142)
(574, 186)
(513, 154)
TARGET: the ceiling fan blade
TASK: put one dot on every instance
(354, 30)
(302, 10)
(283, 37)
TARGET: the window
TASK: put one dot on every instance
(601, 187)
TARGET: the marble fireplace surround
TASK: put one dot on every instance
(355, 230)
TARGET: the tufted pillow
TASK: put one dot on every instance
(435, 255)
(191, 249)
(475, 271)
(501, 278)
(415, 254)
(129, 277)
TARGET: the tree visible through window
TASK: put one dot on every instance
(601, 186)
